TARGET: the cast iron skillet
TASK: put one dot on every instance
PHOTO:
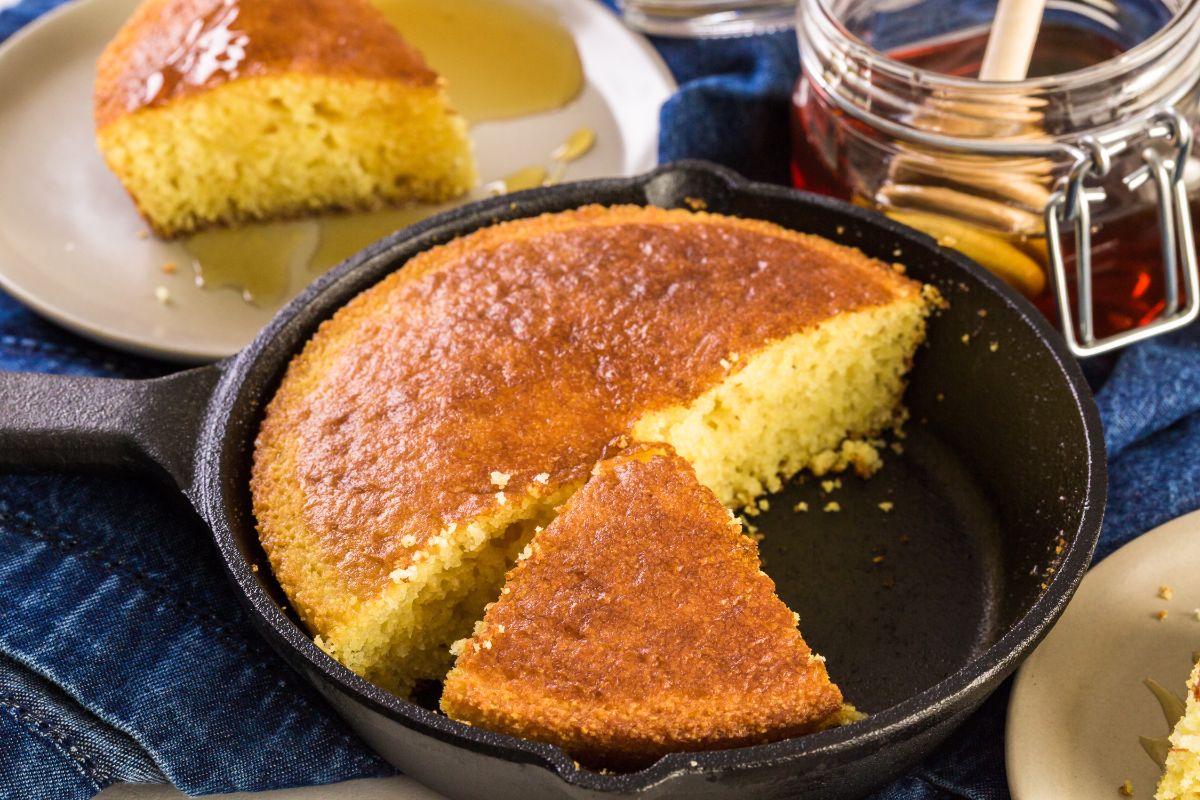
(998, 496)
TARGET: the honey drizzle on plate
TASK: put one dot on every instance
(501, 59)
(263, 260)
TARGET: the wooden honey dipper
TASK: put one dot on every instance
(908, 199)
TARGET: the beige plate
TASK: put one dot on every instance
(69, 243)
(1078, 705)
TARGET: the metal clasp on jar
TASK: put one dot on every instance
(1070, 204)
(1089, 158)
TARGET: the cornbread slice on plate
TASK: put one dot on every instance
(638, 624)
(218, 111)
(437, 419)
(1181, 777)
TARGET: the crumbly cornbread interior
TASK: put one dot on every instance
(804, 402)
(287, 145)
(1181, 778)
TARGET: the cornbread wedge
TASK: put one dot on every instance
(1181, 777)
(213, 112)
(638, 624)
(437, 419)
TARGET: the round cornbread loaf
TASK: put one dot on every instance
(433, 423)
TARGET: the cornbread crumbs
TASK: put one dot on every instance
(162, 294)
(982, 312)
(877, 560)
(1126, 788)
(542, 478)
(832, 507)
(886, 506)
(1196, 614)
(696, 203)
(764, 505)
(994, 346)
(801, 507)
(841, 229)
(1161, 615)
(169, 267)
(966, 338)
(1166, 592)
(501, 498)
(500, 479)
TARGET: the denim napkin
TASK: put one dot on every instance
(125, 657)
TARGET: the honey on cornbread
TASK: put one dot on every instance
(215, 112)
(523, 350)
(638, 624)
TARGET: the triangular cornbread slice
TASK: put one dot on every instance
(214, 112)
(637, 624)
(1181, 777)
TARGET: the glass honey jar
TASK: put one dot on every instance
(1077, 186)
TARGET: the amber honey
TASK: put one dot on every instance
(500, 59)
(1127, 263)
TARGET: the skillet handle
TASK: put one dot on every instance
(64, 421)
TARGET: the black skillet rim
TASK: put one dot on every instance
(960, 690)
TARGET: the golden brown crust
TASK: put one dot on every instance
(640, 624)
(170, 49)
(523, 349)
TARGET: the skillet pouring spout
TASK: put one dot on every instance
(56, 421)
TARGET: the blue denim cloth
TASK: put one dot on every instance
(125, 657)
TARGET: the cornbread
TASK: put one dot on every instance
(1181, 778)
(527, 349)
(214, 112)
(637, 624)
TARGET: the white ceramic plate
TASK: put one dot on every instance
(1078, 705)
(69, 235)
